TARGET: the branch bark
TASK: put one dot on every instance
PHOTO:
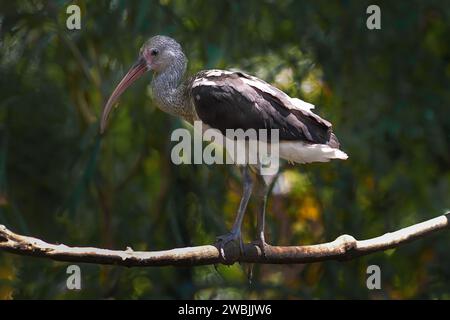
(343, 248)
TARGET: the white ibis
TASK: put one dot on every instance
(231, 100)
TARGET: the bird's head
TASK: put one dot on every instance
(161, 52)
(158, 54)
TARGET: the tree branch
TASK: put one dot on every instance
(344, 247)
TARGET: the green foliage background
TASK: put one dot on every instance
(387, 93)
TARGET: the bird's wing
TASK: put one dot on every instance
(235, 100)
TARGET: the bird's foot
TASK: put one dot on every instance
(262, 244)
(225, 239)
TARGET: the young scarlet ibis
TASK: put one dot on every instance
(231, 100)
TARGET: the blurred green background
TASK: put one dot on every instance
(386, 91)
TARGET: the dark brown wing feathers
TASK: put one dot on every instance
(225, 101)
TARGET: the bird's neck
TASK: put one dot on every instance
(169, 90)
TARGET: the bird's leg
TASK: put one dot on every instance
(235, 233)
(263, 193)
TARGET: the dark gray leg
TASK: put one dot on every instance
(263, 193)
(235, 233)
(261, 219)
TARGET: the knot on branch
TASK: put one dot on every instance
(346, 242)
(347, 246)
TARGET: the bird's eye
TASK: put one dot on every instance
(154, 52)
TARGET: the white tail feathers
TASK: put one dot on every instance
(339, 154)
(301, 152)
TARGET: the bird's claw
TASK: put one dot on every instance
(223, 240)
(262, 244)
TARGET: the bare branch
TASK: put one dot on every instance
(344, 247)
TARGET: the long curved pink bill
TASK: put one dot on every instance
(135, 72)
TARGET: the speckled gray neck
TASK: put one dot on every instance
(169, 91)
